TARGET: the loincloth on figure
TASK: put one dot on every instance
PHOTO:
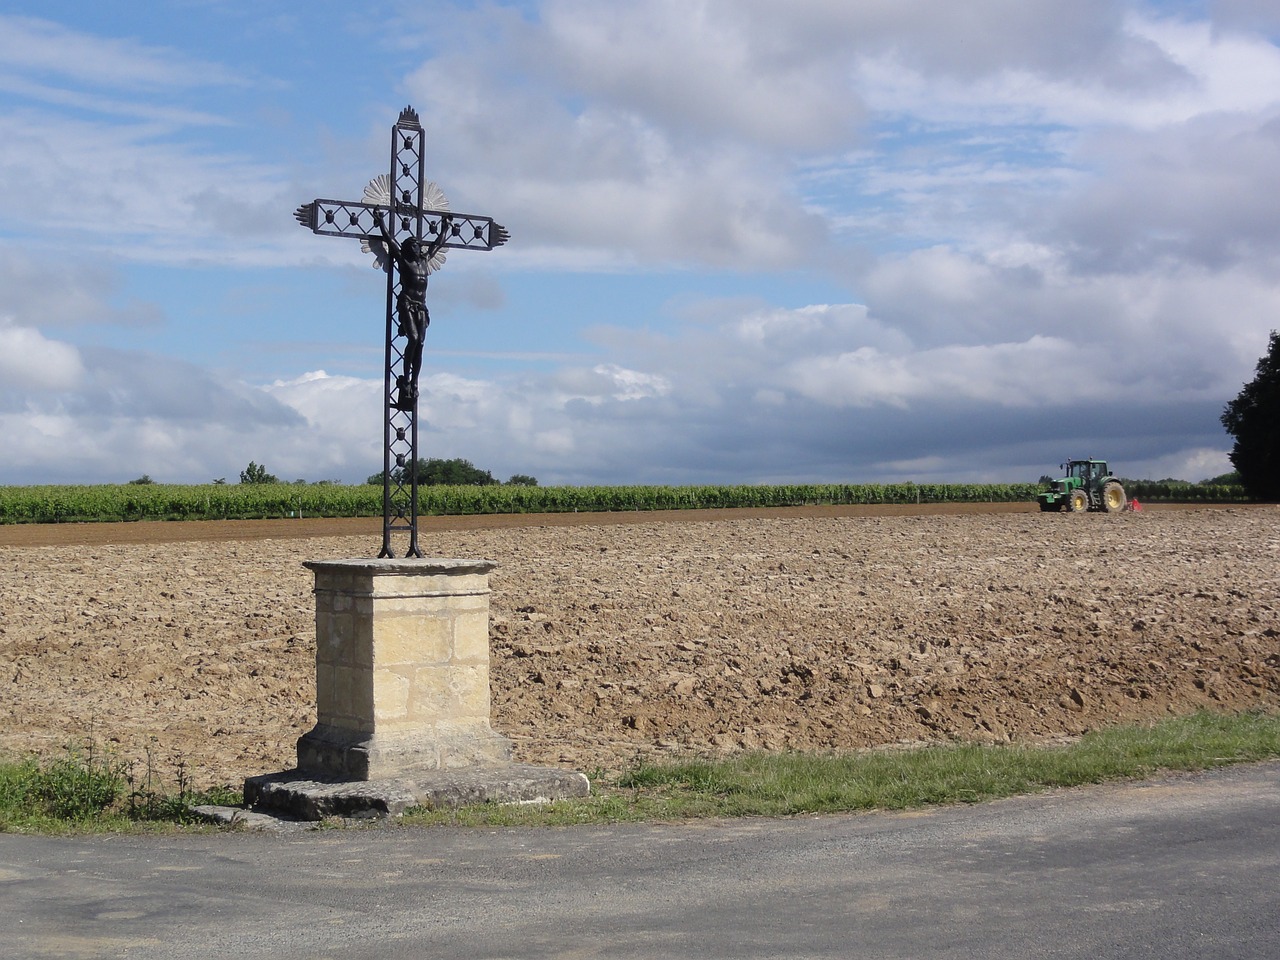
(412, 313)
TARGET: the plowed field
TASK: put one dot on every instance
(622, 636)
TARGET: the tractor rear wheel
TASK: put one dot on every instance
(1078, 501)
(1113, 498)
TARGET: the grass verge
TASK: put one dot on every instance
(776, 785)
(83, 792)
(87, 790)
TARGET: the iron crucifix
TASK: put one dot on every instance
(405, 222)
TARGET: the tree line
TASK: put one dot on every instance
(456, 472)
(431, 472)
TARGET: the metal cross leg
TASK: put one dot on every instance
(404, 221)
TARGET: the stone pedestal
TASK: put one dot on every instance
(402, 697)
(402, 670)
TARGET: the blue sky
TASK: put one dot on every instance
(752, 240)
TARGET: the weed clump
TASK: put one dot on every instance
(87, 787)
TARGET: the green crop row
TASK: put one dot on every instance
(61, 504)
(57, 504)
(503, 499)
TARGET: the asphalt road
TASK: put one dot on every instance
(1185, 866)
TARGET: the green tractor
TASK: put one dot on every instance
(1088, 485)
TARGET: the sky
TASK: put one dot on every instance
(752, 241)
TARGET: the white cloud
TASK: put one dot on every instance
(860, 378)
(608, 192)
(130, 190)
(51, 49)
(707, 69)
(701, 405)
(44, 292)
(633, 384)
(553, 443)
(1245, 15)
(1194, 464)
(1001, 374)
(1169, 71)
(1191, 193)
(30, 361)
(671, 413)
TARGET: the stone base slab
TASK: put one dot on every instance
(298, 795)
(238, 818)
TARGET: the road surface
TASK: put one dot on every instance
(1185, 866)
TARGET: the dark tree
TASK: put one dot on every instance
(435, 472)
(1231, 479)
(256, 473)
(454, 472)
(522, 480)
(1253, 419)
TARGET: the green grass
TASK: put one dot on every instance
(775, 785)
(89, 791)
(84, 792)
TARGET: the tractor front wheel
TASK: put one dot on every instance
(1078, 502)
(1113, 498)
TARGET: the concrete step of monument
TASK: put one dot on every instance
(296, 795)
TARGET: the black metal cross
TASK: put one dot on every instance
(410, 234)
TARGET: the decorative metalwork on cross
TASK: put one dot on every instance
(404, 221)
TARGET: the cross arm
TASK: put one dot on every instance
(340, 218)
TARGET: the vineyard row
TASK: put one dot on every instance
(62, 504)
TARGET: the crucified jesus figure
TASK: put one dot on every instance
(412, 260)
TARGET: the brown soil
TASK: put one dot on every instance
(627, 635)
